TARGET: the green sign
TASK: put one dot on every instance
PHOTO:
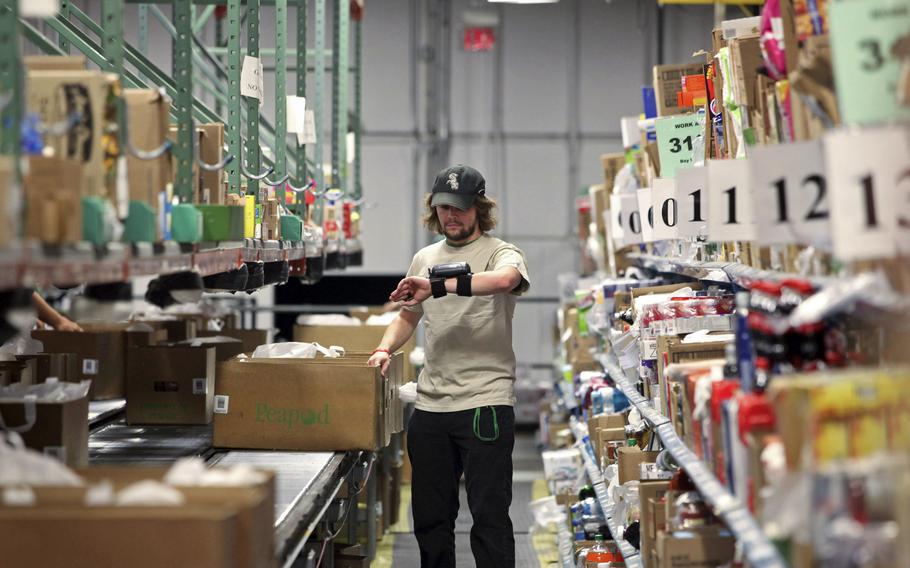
(866, 70)
(676, 137)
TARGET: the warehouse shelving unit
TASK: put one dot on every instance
(308, 484)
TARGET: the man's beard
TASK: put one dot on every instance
(459, 234)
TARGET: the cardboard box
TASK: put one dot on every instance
(671, 350)
(211, 151)
(353, 338)
(101, 355)
(629, 459)
(612, 163)
(705, 547)
(746, 58)
(170, 385)
(10, 215)
(176, 329)
(19, 371)
(250, 509)
(603, 422)
(54, 63)
(63, 366)
(649, 491)
(53, 200)
(600, 202)
(294, 404)
(251, 338)
(148, 111)
(56, 95)
(60, 429)
(225, 347)
(668, 82)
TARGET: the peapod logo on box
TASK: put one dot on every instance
(290, 416)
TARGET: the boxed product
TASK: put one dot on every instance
(148, 112)
(58, 423)
(668, 83)
(62, 366)
(299, 404)
(169, 384)
(701, 547)
(218, 523)
(649, 493)
(212, 190)
(53, 200)
(19, 371)
(173, 328)
(629, 460)
(9, 215)
(251, 338)
(601, 422)
(90, 96)
(101, 352)
(671, 350)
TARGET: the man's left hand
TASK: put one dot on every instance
(412, 291)
(67, 325)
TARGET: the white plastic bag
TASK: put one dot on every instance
(22, 466)
(327, 319)
(192, 472)
(408, 393)
(296, 350)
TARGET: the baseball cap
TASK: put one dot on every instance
(457, 186)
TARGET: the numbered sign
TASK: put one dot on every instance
(646, 214)
(616, 227)
(666, 208)
(869, 178)
(866, 68)
(630, 219)
(676, 136)
(692, 198)
(790, 194)
(729, 201)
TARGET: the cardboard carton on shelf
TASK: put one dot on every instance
(672, 350)
(697, 547)
(212, 190)
(300, 404)
(9, 218)
(63, 366)
(60, 429)
(53, 199)
(56, 96)
(148, 112)
(219, 526)
(629, 460)
(668, 83)
(650, 492)
(170, 385)
(54, 63)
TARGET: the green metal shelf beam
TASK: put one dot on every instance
(356, 187)
(183, 104)
(301, 86)
(252, 105)
(318, 95)
(271, 52)
(218, 2)
(10, 81)
(341, 17)
(233, 122)
(281, 94)
(200, 22)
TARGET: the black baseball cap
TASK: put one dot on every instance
(458, 186)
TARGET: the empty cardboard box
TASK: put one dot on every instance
(170, 385)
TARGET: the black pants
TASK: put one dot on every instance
(441, 446)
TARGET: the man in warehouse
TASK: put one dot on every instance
(464, 421)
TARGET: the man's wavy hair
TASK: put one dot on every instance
(486, 215)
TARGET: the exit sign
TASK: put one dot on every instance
(479, 39)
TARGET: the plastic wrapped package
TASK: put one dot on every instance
(295, 350)
(22, 466)
(564, 470)
(327, 319)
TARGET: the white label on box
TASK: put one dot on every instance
(666, 208)
(869, 178)
(251, 78)
(790, 194)
(221, 404)
(199, 386)
(692, 200)
(646, 214)
(90, 366)
(630, 219)
(650, 472)
(56, 452)
(729, 203)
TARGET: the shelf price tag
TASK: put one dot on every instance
(630, 219)
(676, 137)
(646, 214)
(866, 69)
(869, 177)
(790, 194)
(666, 208)
(692, 199)
(729, 204)
(251, 84)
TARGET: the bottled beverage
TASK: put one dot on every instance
(599, 552)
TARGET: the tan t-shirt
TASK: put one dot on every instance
(469, 357)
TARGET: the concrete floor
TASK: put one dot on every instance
(527, 467)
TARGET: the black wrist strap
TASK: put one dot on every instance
(463, 287)
(438, 287)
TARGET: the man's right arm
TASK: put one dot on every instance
(397, 334)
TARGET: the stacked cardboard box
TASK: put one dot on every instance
(169, 384)
(271, 220)
(55, 428)
(53, 200)
(148, 112)
(362, 338)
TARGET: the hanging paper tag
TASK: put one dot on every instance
(251, 78)
(676, 137)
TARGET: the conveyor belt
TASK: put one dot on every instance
(306, 483)
(119, 443)
(101, 410)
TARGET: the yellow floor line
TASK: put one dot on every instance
(385, 548)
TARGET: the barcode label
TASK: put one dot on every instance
(90, 366)
(221, 404)
(199, 386)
